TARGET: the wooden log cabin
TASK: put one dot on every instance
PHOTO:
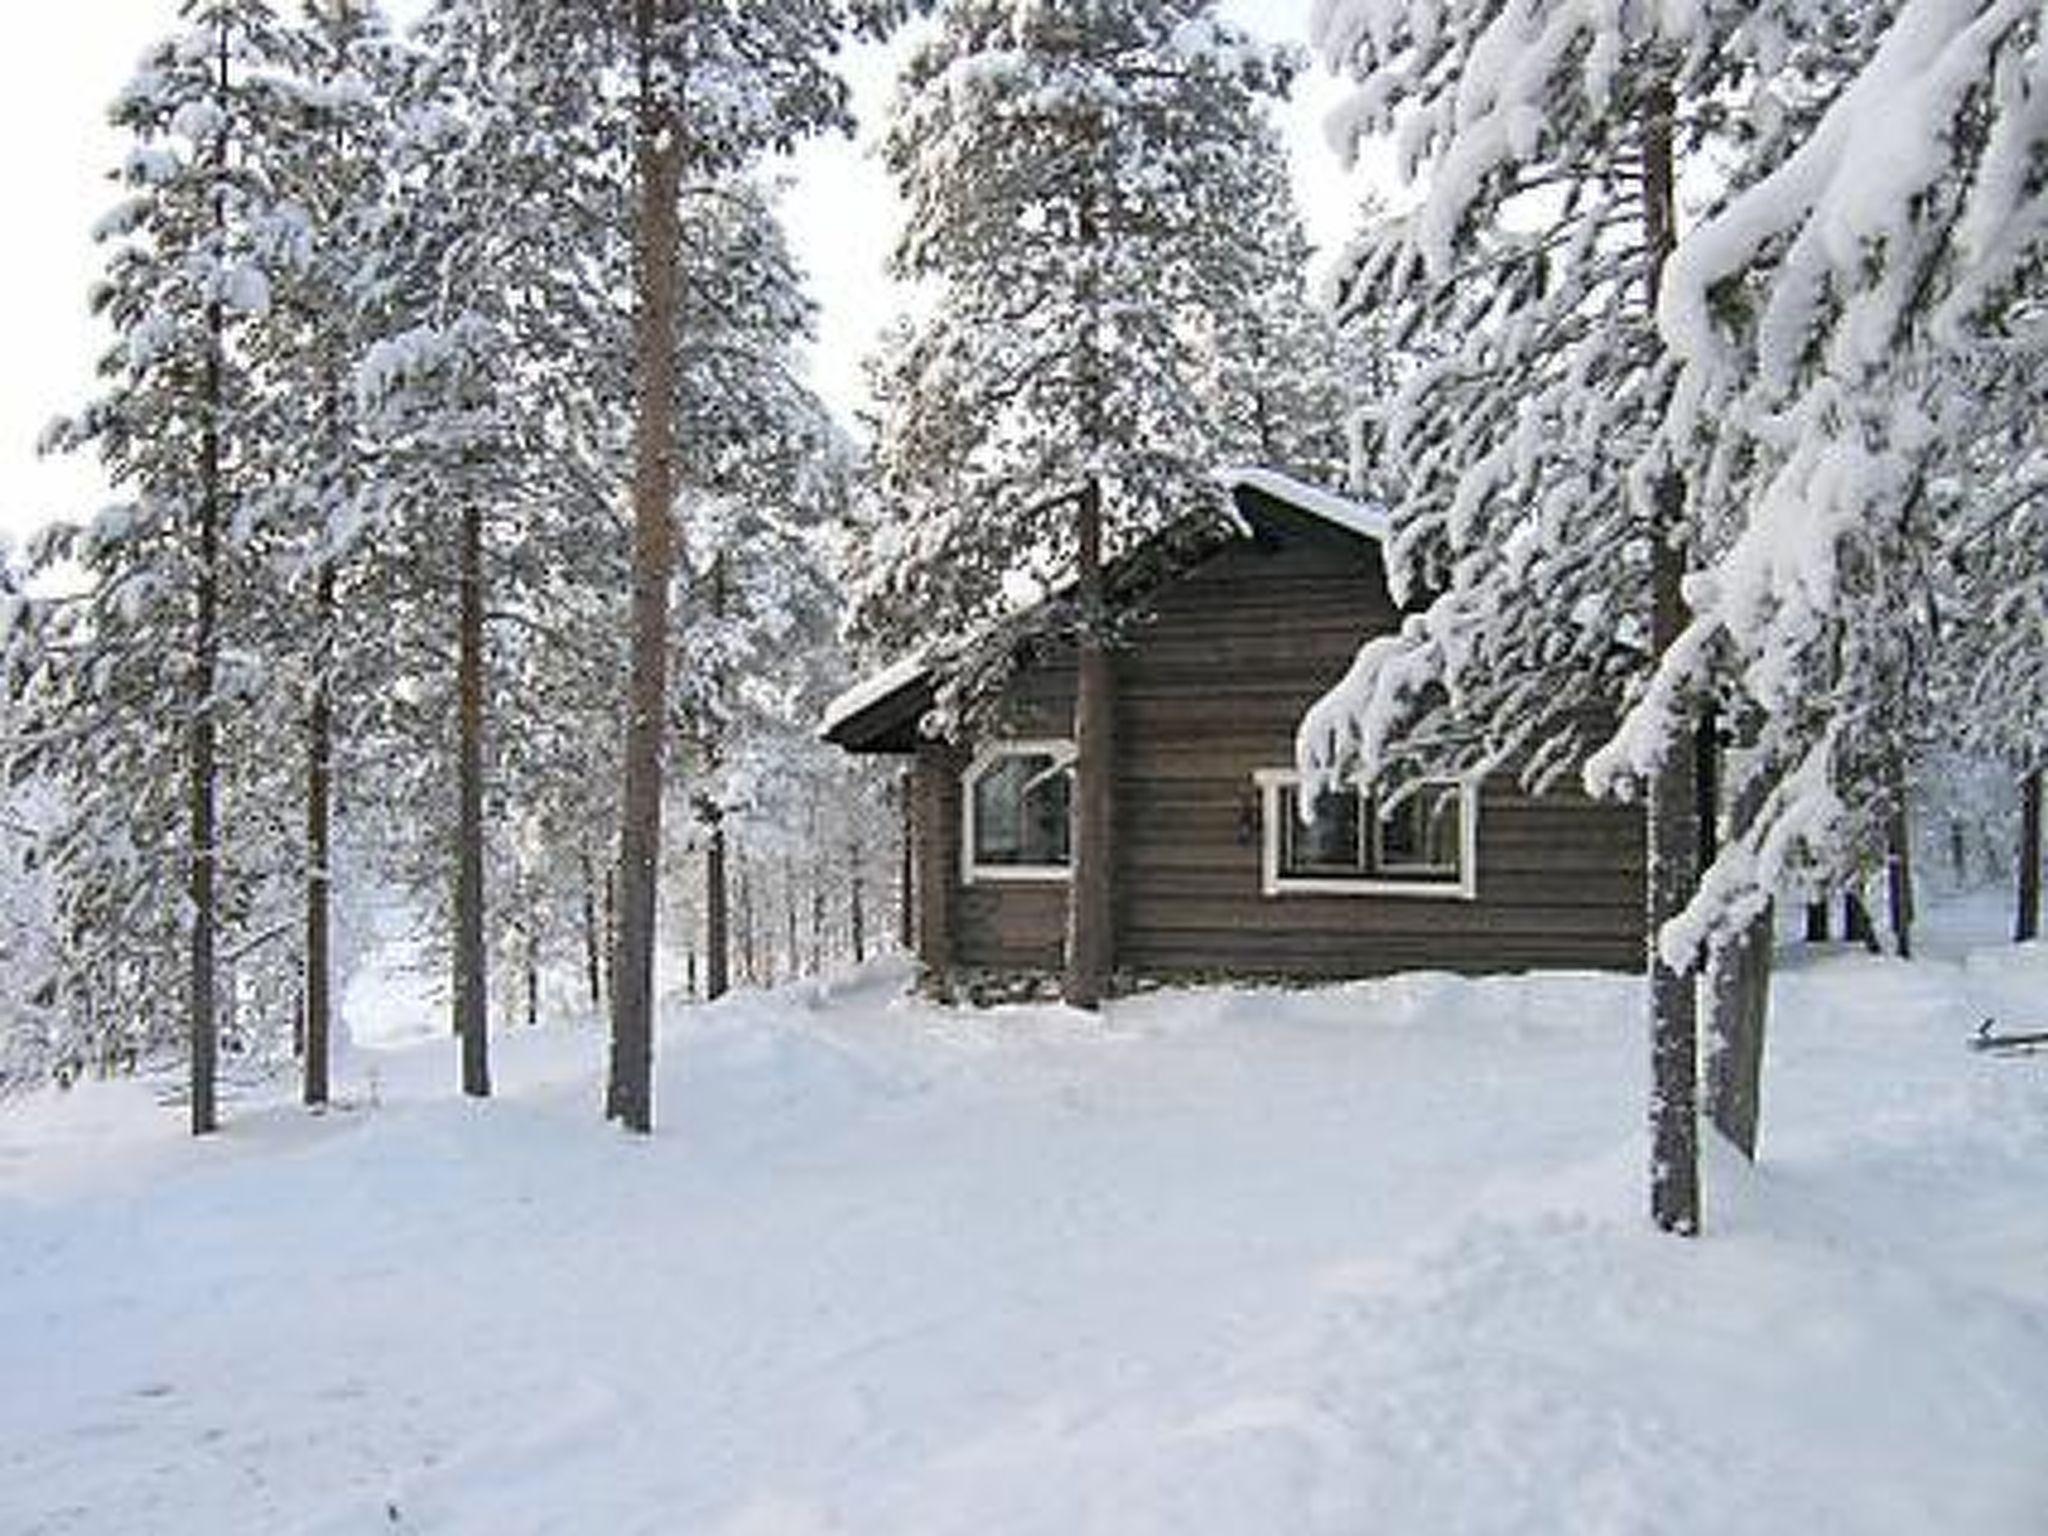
(1216, 871)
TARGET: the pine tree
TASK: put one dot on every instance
(190, 270)
(1541, 507)
(708, 90)
(1078, 179)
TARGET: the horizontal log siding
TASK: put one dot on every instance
(1211, 687)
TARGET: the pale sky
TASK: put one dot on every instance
(64, 63)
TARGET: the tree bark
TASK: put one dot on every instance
(1091, 944)
(659, 160)
(717, 912)
(2027, 919)
(1738, 997)
(319, 1003)
(532, 958)
(1673, 834)
(856, 905)
(472, 1020)
(750, 970)
(1898, 863)
(593, 945)
(1090, 908)
(906, 873)
(1856, 927)
(202, 746)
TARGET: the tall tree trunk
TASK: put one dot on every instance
(472, 1019)
(906, 871)
(2027, 919)
(717, 912)
(202, 768)
(1856, 926)
(856, 907)
(1738, 997)
(1090, 909)
(532, 958)
(789, 916)
(1898, 861)
(1673, 799)
(1817, 921)
(593, 941)
(659, 161)
(750, 970)
(319, 1003)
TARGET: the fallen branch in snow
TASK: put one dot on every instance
(1986, 1040)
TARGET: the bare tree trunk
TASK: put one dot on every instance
(472, 1019)
(659, 156)
(717, 912)
(1090, 912)
(856, 909)
(319, 1005)
(1898, 862)
(532, 962)
(789, 915)
(1738, 997)
(750, 970)
(1673, 799)
(906, 872)
(203, 769)
(1091, 945)
(593, 945)
(1856, 926)
(2027, 919)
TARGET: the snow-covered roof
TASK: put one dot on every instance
(1361, 519)
(1366, 519)
(871, 690)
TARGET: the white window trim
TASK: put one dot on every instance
(973, 872)
(1273, 883)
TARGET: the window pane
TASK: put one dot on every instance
(1421, 834)
(1327, 843)
(1020, 810)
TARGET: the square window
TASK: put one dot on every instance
(1018, 803)
(1329, 841)
(1421, 835)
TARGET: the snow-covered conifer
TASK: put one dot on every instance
(1083, 183)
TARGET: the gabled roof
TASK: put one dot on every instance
(1368, 520)
(881, 712)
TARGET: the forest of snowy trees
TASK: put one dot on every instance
(477, 542)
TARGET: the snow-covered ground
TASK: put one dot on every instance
(1369, 1259)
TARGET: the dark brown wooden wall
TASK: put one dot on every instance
(1210, 691)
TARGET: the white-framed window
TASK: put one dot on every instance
(1423, 843)
(1016, 822)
